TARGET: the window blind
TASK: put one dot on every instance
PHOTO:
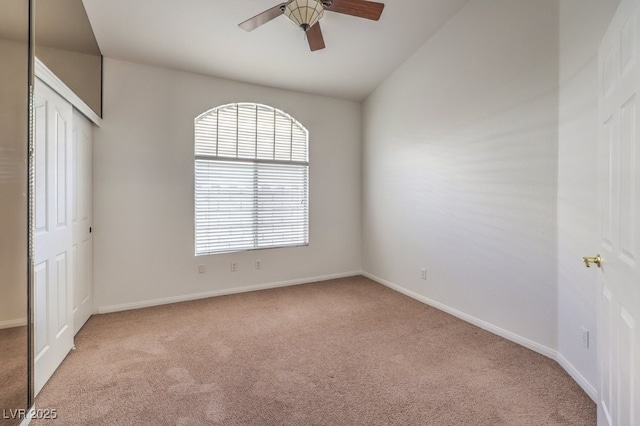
(251, 179)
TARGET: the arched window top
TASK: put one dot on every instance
(251, 131)
(251, 179)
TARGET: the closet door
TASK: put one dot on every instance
(53, 250)
(82, 215)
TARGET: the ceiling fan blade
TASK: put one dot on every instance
(315, 38)
(262, 18)
(360, 8)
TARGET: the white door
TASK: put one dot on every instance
(619, 277)
(53, 269)
(82, 241)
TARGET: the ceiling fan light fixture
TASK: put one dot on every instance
(304, 13)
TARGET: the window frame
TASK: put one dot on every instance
(255, 161)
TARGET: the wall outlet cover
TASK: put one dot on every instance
(585, 338)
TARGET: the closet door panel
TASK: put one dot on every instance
(53, 251)
(82, 215)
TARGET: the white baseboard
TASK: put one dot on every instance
(20, 322)
(223, 292)
(541, 349)
(579, 378)
(527, 343)
(29, 416)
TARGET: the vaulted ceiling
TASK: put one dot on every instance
(202, 36)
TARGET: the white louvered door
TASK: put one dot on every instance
(619, 277)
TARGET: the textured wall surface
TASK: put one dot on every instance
(143, 187)
(460, 169)
(13, 183)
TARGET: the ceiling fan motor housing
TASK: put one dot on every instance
(304, 13)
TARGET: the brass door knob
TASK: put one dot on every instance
(589, 260)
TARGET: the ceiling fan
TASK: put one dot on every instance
(306, 14)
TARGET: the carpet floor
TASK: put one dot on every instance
(13, 371)
(339, 352)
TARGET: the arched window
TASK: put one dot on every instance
(251, 179)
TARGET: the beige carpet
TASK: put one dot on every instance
(340, 352)
(13, 372)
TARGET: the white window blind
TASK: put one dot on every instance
(251, 179)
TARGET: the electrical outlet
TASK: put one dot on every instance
(258, 264)
(423, 273)
(202, 269)
(585, 338)
(234, 266)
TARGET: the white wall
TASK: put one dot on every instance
(582, 26)
(81, 72)
(460, 170)
(479, 163)
(13, 182)
(143, 188)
